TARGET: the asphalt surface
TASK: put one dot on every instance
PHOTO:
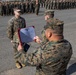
(7, 64)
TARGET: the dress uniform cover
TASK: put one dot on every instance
(26, 35)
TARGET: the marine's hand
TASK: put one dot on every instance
(20, 48)
(37, 39)
(11, 41)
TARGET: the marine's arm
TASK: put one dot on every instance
(10, 30)
(51, 55)
(30, 59)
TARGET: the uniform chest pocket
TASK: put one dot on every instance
(16, 25)
(16, 22)
(21, 24)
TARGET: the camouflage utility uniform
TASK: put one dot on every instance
(13, 25)
(51, 19)
(37, 7)
(50, 58)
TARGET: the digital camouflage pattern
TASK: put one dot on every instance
(12, 31)
(43, 36)
(56, 25)
(49, 20)
(50, 58)
(13, 25)
(49, 12)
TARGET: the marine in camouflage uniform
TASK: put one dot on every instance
(49, 4)
(46, 4)
(37, 7)
(27, 6)
(12, 30)
(57, 4)
(50, 58)
(75, 3)
(7, 8)
(50, 14)
(1, 9)
(53, 4)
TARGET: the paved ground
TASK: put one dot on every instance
(7, 65)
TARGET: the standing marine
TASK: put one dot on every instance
(12, 30)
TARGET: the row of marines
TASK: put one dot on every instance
(6, 8)
(58, 4)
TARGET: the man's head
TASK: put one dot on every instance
(49, 14)
(17, 11)
(54, 29)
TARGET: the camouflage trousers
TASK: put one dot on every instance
(15, 46)
(37, 11)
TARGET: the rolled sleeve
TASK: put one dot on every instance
(10, 30)
(31, 59)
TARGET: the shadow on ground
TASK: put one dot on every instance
(71, 69)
